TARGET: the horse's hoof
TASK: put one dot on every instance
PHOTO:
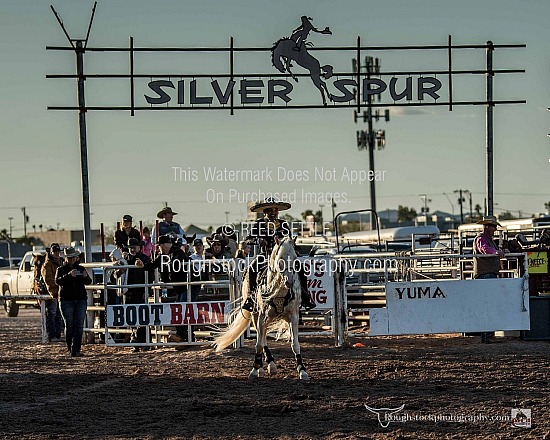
(272, 368)
(303, 375)
(255, 373)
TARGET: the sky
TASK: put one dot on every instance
(136, 164)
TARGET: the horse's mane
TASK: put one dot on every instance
(285, 250)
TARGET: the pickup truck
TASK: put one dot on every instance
(16, 285)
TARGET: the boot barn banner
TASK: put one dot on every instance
(132, 315)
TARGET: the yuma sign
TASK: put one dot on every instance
(275, 82)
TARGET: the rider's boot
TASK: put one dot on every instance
(307, 303)
(249, 304)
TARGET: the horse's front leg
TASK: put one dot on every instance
(270, 360)
(296, 348)
(261, 329)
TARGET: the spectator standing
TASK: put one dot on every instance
(230, 237)
(199, 270)
(53, 313)
(244, 250)
(168, 226)
(126, 232)
(72, 279)
(169, 273)
(147, 247)
(135, 295)
(218, 247)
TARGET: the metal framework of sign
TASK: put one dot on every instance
(285, 76)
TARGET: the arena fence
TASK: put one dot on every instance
(167, 320)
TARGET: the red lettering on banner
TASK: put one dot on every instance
(203, 315)
(314, 284)
(189, 317)
(317, 266)
(320, 296)
(176, 314)
(218, 312)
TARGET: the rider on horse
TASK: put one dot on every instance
(300, 34)
(266, 232)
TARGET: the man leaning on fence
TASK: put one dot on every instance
(487, 267)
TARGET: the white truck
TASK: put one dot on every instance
(16, 286)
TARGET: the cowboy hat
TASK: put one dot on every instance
(70, 251)
(270, 202)
(165, 239)
(166, 210)
(489, 220)
(134, 242)
(217, 238)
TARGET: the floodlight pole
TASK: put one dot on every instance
(489, 127)
(83, 149)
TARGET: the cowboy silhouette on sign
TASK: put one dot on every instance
(294, 49)
(300, 34)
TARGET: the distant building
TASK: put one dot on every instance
(65, 237)
(192, 229)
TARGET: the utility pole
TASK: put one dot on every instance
(333, 205)
(461, 200)
(452, 210)
(25, 220)
(425, 208)
(11, 226)
(470, 199)
(80, 49)
(369, 139)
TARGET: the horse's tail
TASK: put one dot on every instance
(327, 71)
(276, 55)
(240, 321)
(234, 331)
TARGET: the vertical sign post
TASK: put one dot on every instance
(83, 150)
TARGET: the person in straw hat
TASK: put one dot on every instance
(264, 228)
(73, 299)
(267, 230)
(167, 226)
(487, 267)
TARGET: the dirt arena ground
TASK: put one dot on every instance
(113, 393)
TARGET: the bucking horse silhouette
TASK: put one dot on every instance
(294, 48)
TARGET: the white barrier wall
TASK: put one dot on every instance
(452, 306)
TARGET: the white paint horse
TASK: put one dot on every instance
(277, 300)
